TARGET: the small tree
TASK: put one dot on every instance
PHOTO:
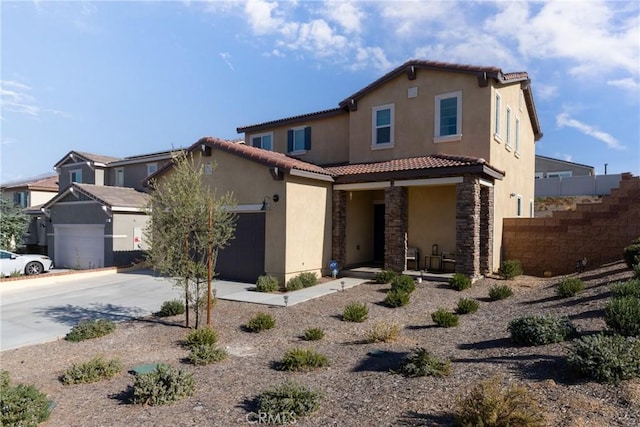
(13, 224)
(187, 222)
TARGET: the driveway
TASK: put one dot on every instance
(37, 311)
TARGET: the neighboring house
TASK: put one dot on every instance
(429, 154)
(548, 167)
(31, 194)
(98, 217)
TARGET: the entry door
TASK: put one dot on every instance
(378, 233)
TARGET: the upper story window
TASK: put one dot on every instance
(382, 120)
(264, 141)
(120, 177)
(75, 175)
(21, 199)
(496, 117)
(151, 168)
(559, 174)
(517, 136)
(508, 128)
(299, 140)
(448, 118)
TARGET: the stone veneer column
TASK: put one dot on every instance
(486, 230)
(468, 226)
(339, 228)
(396, 216)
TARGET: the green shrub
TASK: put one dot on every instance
(261, 322)
(92, 371)
(569, 287)
(4, 379)
(510, 269)
(308, 279)
(267, 284)
(201, 336)
(467, 305)
(420, 363)
(622, 314)
(632, 252)
(303, 359)
(383, 331)
(385, 276)
(444, 318)
(489, 405)
(540, 330)
(205, 354)
(171, 308)
(498, 292)
(606, 358)
(355, 312)
(164, 385)
(88, 329)
(313, 334)
(403, 283)
(287, 402)
(396, 298)
(628, 288)
(294, 284)
(22, 405)
(460, 282)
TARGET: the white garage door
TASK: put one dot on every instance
(79, 246)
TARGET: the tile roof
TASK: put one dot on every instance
(293, 119)
(36, 183)
(114, 196)
(97, 157)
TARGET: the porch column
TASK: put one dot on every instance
(396, 216)
(486, 229)
(339, 228)
(468, 226)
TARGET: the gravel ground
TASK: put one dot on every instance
(358, 387)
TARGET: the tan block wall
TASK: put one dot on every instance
(598, 232)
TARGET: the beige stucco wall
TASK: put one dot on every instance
(41, 197)
(360, 226)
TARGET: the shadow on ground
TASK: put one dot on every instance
(380, 361)
(71, 315)
(412, 418)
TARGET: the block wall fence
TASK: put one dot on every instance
(597, 231)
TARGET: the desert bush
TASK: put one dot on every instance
(385, 276)
(420, 363)
(467, 305)
(261, 322)
(444, 318)
(510, 268)
(201, 336)
(287, 402)
(569, 287)
(383, 331)
(308, 279)
(488, 404)
(4, 379)
(294, 284)
(303, 359)
(164, 385)
(396, 298)
(540, 330)
(267, 283)
(403, 283)
(631, 253)
(355, 312)
(88, 329)
(205, 354)
(498, 292)
(459, 282)
(606, 358)
(171, 308)
(628, 288)
(22, 405)
(92, 371)
(622, 314)
(313, 334)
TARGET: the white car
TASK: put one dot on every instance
(11, 263)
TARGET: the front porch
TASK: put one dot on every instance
(369, 272)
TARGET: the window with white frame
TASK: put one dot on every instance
(521, 102)
(448, 117)
(508, 128)
(75, 175)
(120, 177)
(517, 136)
(559, 174)
(382, 120)
(497, 114)
(151, 168)
(299, 140)
(519, 205)
(264, 141)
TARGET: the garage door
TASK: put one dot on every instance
(243, 259)
(79, 246)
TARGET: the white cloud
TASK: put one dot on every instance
(15, 97)
(626, 84)
(346, 13)
(260, 14)
(316, 36)
(411, 18)
(563, 120)
(226, 56)
(544, 91)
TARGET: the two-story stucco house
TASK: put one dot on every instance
(431, 156)
(97, 219)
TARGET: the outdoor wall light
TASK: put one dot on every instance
(265, 203)
(512, 195)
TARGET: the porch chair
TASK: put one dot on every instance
(448, 263)
(412, 255)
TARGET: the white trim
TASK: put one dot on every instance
(311, 175)
(115, 173)
(260, 135)
(497, 110)
(508, 128)
(250, 207)
(363, 186)
(438, 98)
(517, 136)
(155, 164)
(71, 172)
(116, 236)
(297, 153)
(428, 181)
(80, 202)
(448, 138)
(126, 209)
(485, 183)
(374, 127)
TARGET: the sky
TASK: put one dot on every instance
(136, 77)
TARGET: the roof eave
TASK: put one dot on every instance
(482, 169)
(290, 120)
